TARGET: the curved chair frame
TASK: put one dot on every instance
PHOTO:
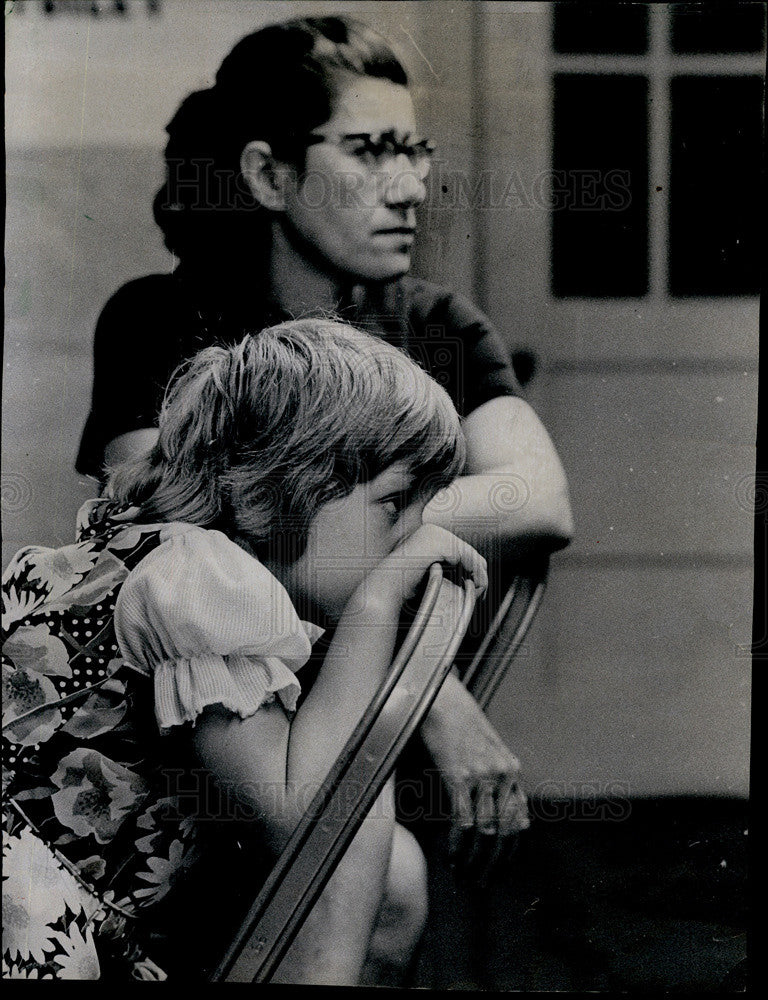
(369, 757)
(506, 633)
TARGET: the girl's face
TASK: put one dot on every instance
(355, 210)
(348, 537)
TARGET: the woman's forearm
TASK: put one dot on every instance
(513, 499)
(500, 512)
(129, 445)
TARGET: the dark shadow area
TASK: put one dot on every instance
(654, 899)
(638, 896)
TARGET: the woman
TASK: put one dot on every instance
(292, 186)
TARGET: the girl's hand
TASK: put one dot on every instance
(397, 577)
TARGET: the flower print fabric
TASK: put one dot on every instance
(94, 829)
(48, 933)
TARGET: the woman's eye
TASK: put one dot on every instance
(369, 153)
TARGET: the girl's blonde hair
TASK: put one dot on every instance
(255, 437)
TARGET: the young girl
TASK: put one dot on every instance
(285, 490)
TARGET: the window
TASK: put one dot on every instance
(733, 27)
(714, 185)
(600, 173)
(657, 131)
(594, 28)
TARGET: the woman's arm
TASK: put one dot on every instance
(129, 445)
(514, 498)
(480, 773)
(134, 353)
(514, 501)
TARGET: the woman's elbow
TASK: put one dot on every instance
(559, 524)
(550, 511)
(548, 527)
(546, 537)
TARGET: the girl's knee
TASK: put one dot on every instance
(404, 905)
(402, 914)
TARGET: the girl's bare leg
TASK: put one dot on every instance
(331, 946)
(402, 914)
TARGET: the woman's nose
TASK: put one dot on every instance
(404, 184)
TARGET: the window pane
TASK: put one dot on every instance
(600, 185)
(600, 28)
(733, 27)
(715, 185)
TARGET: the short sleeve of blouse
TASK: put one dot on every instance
(458, 345)
(213, 626)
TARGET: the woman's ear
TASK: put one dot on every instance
(263, 175)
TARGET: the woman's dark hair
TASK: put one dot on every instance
(277, 85)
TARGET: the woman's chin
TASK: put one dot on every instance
(390, 268)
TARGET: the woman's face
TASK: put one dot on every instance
(358, 215)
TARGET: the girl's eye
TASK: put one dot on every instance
(393, 507)
(390, 508)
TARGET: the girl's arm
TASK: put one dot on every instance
(272, 765)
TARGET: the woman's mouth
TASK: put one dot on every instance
(400, 235)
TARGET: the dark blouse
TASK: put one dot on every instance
(153, 324)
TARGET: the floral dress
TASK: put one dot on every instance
(111, 646)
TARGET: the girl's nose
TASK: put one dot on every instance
(404, 184)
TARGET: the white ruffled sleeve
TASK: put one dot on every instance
(213, 626)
